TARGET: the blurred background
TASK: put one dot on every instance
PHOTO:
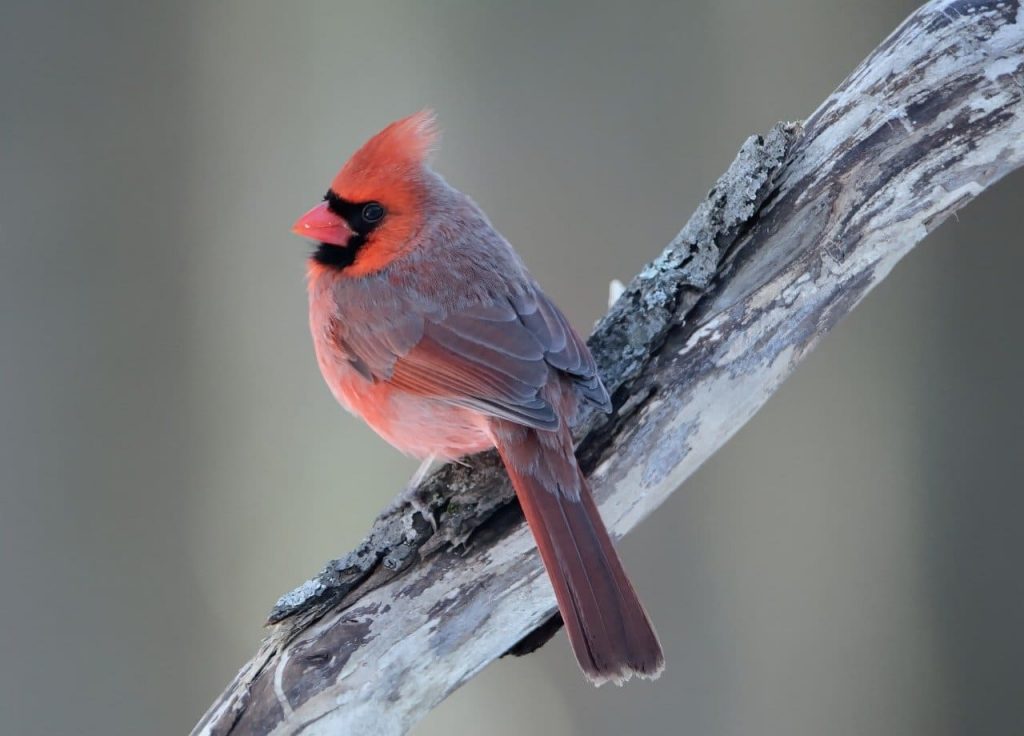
(170, 461)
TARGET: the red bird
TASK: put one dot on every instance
(428, 326)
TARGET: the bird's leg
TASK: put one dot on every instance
(423, 471)
(411, 495)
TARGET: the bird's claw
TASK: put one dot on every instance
(412, 496)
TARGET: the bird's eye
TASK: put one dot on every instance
(372, 212)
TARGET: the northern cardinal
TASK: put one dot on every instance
(428, 326)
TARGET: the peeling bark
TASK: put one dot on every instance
(803, 224)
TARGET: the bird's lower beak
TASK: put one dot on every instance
(324, 226)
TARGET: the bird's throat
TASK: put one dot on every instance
(338, 257)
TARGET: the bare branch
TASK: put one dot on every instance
(803, 224)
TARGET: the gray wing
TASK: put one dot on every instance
(494, 357)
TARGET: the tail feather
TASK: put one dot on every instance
(607, 625)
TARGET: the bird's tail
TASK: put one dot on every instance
(607, 625)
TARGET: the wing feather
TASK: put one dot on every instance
(495, 357)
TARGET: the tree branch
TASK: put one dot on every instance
(803, 224)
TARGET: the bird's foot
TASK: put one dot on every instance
(413, 496)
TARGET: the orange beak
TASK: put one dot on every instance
(324, 226)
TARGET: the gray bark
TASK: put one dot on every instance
(803, 224)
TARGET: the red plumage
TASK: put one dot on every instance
(428, 326)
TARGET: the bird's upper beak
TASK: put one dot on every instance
(324, 226)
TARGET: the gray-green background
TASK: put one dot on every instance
(170, 460)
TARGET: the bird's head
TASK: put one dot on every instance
(375, 203)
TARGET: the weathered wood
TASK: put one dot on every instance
(804, 223)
